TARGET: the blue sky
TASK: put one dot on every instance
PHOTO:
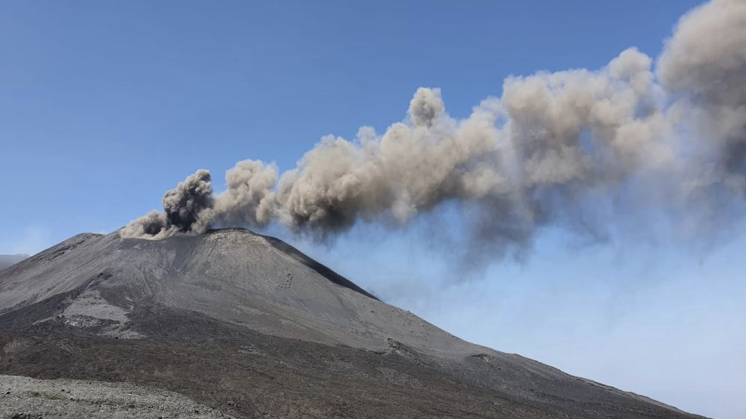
(104, 106)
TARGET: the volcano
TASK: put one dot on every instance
(248, 326)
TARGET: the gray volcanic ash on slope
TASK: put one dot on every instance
(249, 326)
(27, 398)
(632, 138)
(232, 275)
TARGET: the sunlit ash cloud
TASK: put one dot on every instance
(668, 135)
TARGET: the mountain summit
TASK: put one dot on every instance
(251, 327)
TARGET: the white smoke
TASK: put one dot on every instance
(671, 138)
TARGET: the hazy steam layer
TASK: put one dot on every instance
(552, 149)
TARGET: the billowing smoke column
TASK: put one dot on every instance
(553, 146)
(187, 208)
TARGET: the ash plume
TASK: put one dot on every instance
(552, 150)
(187, 209)
(249, 199)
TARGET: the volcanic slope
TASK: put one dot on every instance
(251, 327)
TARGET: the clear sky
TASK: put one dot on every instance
(105, 105)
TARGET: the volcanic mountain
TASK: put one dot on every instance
(250, 327)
